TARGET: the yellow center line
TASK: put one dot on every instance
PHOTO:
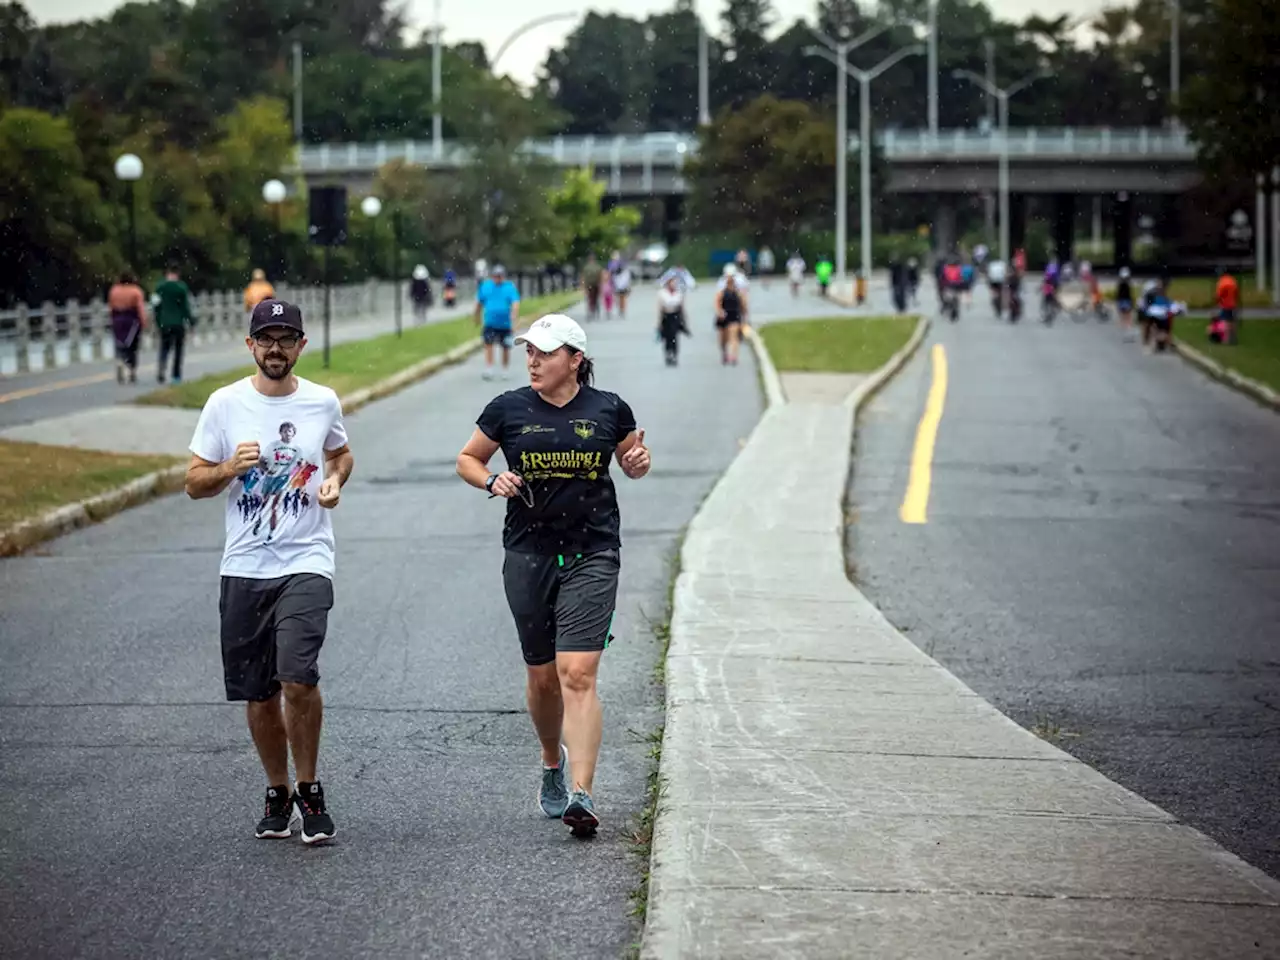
(916, 502)
(59, 385)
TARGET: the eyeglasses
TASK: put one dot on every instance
(288, 341)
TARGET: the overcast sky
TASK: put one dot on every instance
(492, 21)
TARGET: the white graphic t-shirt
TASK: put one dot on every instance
(275, 526)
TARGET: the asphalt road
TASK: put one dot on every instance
(1101, 558)
(129, 790)
(27, 397)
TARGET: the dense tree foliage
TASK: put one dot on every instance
(203, 92)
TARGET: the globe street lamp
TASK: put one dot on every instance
(129, 170)
(274, 192)
(371, 206)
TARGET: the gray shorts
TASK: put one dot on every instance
(272, 631)
(561, 603)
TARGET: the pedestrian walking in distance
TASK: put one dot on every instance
(277, 445)
(173, 317)
(128, 307)
(561, 536)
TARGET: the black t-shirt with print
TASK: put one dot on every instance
(563, 453)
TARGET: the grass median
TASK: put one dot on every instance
(1200, 293)
(1256, 356)
(836, 344)
(359, 363)
(40, 478)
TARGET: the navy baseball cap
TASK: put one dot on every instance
(275, 313)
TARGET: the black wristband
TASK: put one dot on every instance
(488, 484)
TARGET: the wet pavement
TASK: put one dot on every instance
(1101, 558)
(129, 790)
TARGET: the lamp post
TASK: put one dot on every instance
(521, 31)
(864, 78)
(437, 123)
(1002, 97)
(704, 72)
(933, 70)
(274, 192)
(371, 206)
(129, 170)
(841, 49)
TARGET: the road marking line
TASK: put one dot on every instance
(60, 385)
(916, 502)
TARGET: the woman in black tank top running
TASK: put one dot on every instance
(731, 307)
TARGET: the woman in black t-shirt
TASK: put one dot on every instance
(560, 574)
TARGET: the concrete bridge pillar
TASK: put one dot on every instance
(1122, 228)
(1064, 225)
(673, 207)
(944, 225)
(1017, 222)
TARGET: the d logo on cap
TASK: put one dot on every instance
(277, 309)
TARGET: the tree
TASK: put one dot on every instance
(749, 66)
(599, 78)
(54, 238)
(580, 225)
(1229, 106)
(766, 169)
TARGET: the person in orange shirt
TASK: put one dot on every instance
(257, 291)
(128, 308)
(1228, 296)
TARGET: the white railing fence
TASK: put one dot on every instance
(33, 339)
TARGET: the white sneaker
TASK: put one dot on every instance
(486, 374)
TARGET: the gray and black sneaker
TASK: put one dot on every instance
(317, 825)
(278, 816)
(553, 794)
(580, 814)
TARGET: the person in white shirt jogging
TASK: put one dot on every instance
(276, 443)
(622, 288)
(795, 271)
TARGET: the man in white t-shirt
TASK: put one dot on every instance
(277, 445)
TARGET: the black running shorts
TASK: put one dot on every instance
(272, 631)
(561, 603)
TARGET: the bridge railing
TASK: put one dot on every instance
(1048, 142)
(36, 338)
(670, 150)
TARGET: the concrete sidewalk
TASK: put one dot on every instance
(832, 791)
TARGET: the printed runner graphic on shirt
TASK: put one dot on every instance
(276, 488)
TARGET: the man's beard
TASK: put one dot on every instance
(278, 372)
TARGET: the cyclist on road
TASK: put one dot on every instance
(561, 536)
(1124, 303)
(450, 285)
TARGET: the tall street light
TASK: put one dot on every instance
(274, 192)
(437, 124)
(704, 75)
(841, 49)
(933, 70)
(521, 31)
(1175, 58)
(1002, 97)
(864, 78)
(129, 170)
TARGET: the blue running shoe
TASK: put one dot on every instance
(553, 795)
(580, 814)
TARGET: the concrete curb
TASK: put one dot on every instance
(869, 387)
(73, 516)
(657, 943)
(1251, 388)
(773, 391)
(22, 536)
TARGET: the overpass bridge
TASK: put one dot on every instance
(1059, 163)
(1041, 160)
